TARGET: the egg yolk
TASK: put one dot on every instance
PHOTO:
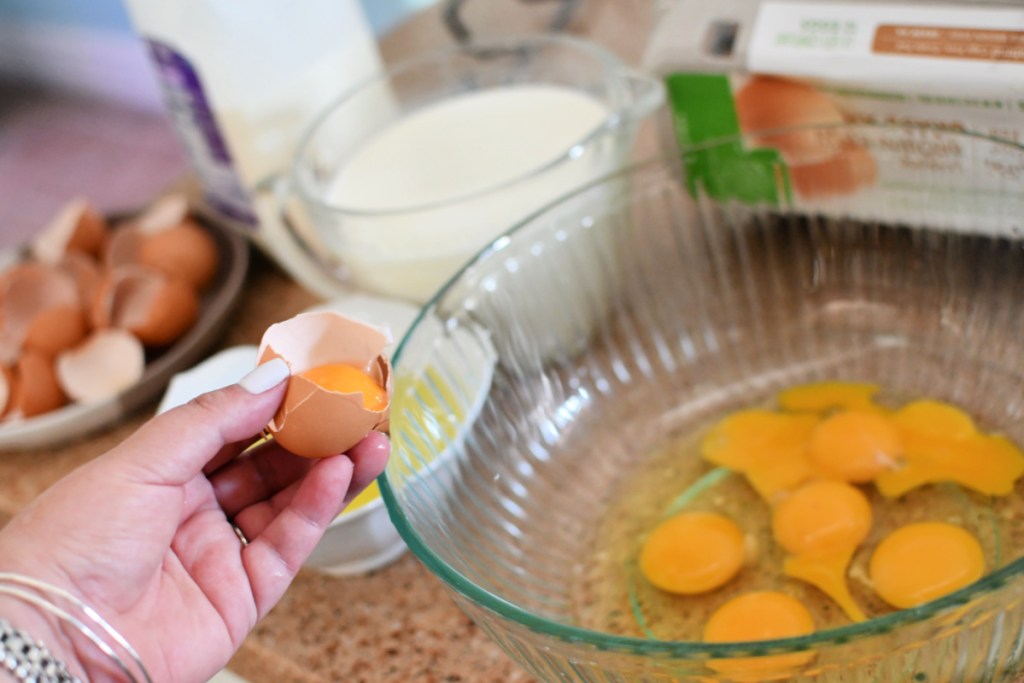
(767, 447)
(854, 446)
(822, 515)
(921, 562)
(761, 615)
(822, 524)
(804, 460)
(936, 419)
(348, 379)
(941, 444)
(820, 397)
(693, 552)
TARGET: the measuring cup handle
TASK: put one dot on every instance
(286, 235)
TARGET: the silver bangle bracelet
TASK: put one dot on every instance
(84, 619)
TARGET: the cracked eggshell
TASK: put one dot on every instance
(6, 388)
(156, 309)
(77, 227)
(35, 389)
(86, 274)
(314, 422)
(122, 247)
(42, 309)
(104, 365)
(168, 211)
(184, 251)
(170, 241)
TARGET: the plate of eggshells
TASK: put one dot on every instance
(98, 312)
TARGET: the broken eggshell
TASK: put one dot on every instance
(42, 310)
(314, 422)
(78, 227)
(34, 389)
(156, 309)
(107, 363)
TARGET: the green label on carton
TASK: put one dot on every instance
(714, 156)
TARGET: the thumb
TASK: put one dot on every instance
(172, 448)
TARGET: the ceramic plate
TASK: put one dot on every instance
(76, 420)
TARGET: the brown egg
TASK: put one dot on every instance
(158, 310)
(767, 103)
(106, 364)
(314, 421)
(185, 251)
(35, 388)
(852, 168)
(77, 227)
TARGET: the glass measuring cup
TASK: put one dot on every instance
(408, 248)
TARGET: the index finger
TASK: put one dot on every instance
(174, 447)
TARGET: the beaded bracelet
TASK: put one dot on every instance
(29, 660)
(24, 658)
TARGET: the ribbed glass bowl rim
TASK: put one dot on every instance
(839, 636)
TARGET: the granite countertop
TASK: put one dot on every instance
(389, 625)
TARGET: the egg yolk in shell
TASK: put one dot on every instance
(821, 524)
(924, 561)
(693, 552)
(348, 379)
(759, 615)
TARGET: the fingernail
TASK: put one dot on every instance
(265, 377)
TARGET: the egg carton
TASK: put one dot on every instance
(900, 112)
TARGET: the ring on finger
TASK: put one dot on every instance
(240, 534)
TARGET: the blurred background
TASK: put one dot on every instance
(81, 113)
(90, 47)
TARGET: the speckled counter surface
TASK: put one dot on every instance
(396, 624)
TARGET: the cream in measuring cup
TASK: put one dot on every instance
(472, 140)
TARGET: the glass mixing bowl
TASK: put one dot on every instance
(645, 306)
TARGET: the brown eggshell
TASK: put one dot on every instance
(314, 422)
(35, 388)
(31, 292)
(10, 348)
(101, 306)
(6, 387)
(166, 212)
(86, 274)
(77, 227)
(122, 248)
(185, 251)
(766, 103)
(103, 366)
(158, 310)
(57, 328)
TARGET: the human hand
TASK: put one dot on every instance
(144, 534)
